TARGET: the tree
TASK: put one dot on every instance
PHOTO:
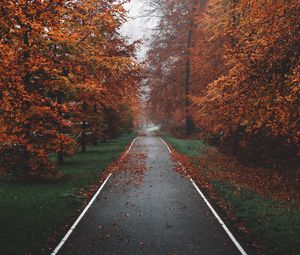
(30, 32)
(55, 57)
(242, 66)
(170, 63)
(257, 99)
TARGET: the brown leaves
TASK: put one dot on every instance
(187, 169)
(244, 70)
(266, 182)
(55, 57)
(133, 167)
(256, 94)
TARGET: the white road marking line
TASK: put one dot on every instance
(165, 144)
(79, 218)
(228, 232)
(67, 235)
(237, 244)
(129, 147)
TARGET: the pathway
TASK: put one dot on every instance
(148, 208)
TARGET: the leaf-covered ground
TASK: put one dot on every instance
(33, 216)
(262, 204)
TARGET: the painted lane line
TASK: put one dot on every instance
(129, 148)
(79, 218)
(233, 239)
(228, 232)
(67, 235)
(165, 144)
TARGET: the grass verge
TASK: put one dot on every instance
(275, 224)
(31, 212)
(190, 148)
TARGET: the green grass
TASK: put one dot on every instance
(31, 212)
(190, 148)
(271, 222)
(277, 227)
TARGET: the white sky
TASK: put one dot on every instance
(137, 27)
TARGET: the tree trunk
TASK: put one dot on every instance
(95, 140)
(83, 142)
(60, 155)
(60, 158)
(189, 125)
(26, 81)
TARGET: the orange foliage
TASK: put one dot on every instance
(258, 93)
(245, 69)
(166, 62)
(55, 56)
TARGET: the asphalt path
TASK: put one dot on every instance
(148, 208)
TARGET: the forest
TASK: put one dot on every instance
(68, 78)
(224, 85)
(228, 71)
(147, 153)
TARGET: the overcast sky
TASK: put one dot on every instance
(137, 27)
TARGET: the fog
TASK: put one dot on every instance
(138, 26)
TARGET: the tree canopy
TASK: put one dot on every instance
(64, 69)
(244, 79)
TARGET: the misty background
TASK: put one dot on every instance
(139, 25)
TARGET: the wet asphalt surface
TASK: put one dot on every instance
(148, 208)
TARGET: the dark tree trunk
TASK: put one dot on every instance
(84, 126)
(95, 141)
(60, 155)
(26, 81)
(60, 158)
(83, 142)
(189, 125)
(95, 138)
